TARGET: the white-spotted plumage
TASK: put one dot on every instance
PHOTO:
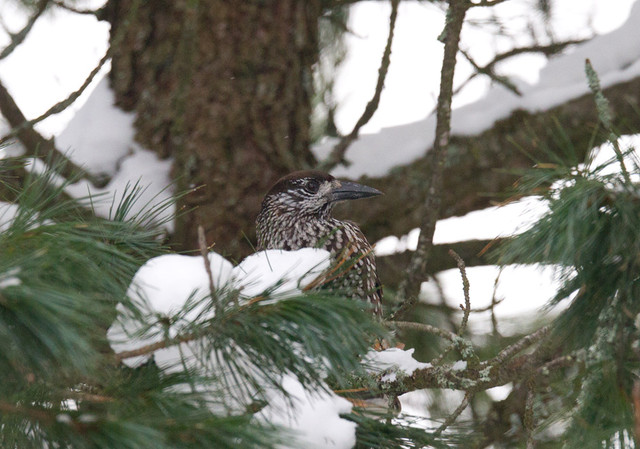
(296, 213)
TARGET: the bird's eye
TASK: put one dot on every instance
(312, 186)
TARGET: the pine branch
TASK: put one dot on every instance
(604, 114)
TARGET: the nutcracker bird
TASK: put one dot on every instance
(296, 213)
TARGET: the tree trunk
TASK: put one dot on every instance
(225, 89)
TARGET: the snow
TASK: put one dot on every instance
(500, 393)
(314, 417)
(9, 279)
(615, 56)
(392, 362)
(174, 289)
(139, 166)
(490, 223)
(7, 213)
(524, 290)
(100, 135)
(459, 365)
(289, 271)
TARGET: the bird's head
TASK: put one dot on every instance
(314, 193)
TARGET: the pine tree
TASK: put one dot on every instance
(65, 278)
(592, 235)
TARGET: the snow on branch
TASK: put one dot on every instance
(614, 55)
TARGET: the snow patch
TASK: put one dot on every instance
(99, 135)
(615, 56)
(288, 271)
(165, 287)
(460, 365)
(393, 360)
(314, 417)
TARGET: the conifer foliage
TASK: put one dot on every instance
(65, 278)
(592, 234)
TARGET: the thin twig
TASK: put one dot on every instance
(38, 146)
(153, 347)
(529, 421)
(503, 80)
(521, 344)
(337, 153)
(204, 252)
(488, 2)
(90, 12)
(410, 286)
(547, 50)
(494, 302)
(422, 327)
(452, 417)
(465, 288)
(20, 36)
(61, 105)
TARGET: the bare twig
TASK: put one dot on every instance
(337, 153)
(491, 74)
(452, 417)
(488, 2)
(30, 412)
(417, 269)
(489, 68)
(494, 302)
(529, 422)
(38, 146)
(58, 107)
(204, 252)
(465, 288)
(91, 12)
(422, 327)
(150, 348)
(19, 37)
(521, 344)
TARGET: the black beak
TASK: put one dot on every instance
(352, 191)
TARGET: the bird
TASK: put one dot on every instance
(296, 213)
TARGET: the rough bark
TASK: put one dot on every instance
(480, 169)
(225, 89)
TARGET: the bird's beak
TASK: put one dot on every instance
(352, 191)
